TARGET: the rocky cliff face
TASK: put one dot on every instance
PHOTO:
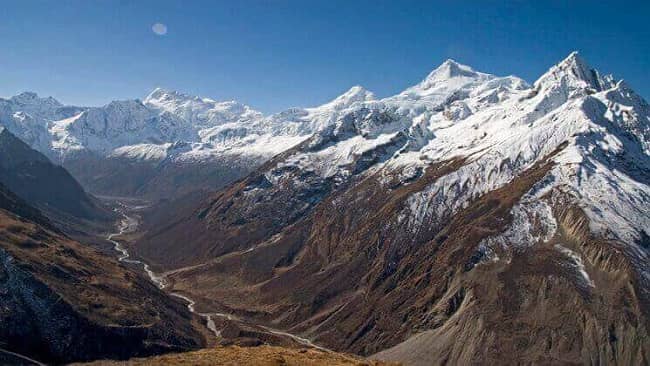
(468, 207)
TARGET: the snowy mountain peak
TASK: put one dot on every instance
(123, 104)
(162, 94)
(27, 95)
(574, 58)
(452, 69)
(574, 73)
(578, 67)
(158, 93)
(360, 92)
(199, 111)
(32, 99)
(446, 79)
(355, 94)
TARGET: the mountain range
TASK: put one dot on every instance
(164, 146)
(472, 207)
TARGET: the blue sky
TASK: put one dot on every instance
(277, 54)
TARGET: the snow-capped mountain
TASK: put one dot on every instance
(500, 126)
(200, 112)
(26, 115)
(149, 129)
(469, 206)
(159, 123)
(167, 130)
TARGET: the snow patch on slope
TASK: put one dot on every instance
(576, 261)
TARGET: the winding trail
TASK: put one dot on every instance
(130, 224)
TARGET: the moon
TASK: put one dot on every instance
(159, 28)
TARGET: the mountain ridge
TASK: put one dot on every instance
(32, 176)
(64, 301)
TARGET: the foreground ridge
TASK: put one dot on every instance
(253, 356)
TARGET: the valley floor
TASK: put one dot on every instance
(241, 331)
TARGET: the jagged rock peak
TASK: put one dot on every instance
(574, 71)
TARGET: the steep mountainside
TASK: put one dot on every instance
(469, 206)
(62, 301)
(49, 187)
(166, 145)
(14, 204)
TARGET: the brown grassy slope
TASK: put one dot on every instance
(253, 356)
(240, 223)
(62, 301)
(333, 271)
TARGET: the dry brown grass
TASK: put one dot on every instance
(236, 356)
(63, 301)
